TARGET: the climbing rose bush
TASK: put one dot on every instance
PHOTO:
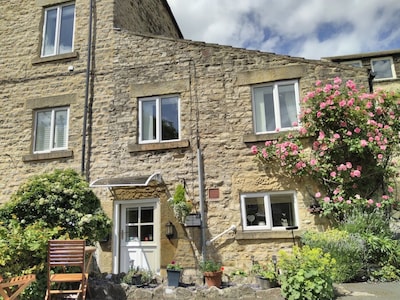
(347, 142)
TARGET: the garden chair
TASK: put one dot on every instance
(11, 288)
(66, 268)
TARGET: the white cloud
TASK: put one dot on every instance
(308, 28)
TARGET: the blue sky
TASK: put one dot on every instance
(305, 28)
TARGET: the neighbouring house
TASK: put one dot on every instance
(382, 67)
(111, 89)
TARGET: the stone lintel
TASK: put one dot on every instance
(271, 74)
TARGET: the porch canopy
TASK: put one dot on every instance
(131, 181)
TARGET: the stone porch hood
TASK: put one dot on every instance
(130, 181)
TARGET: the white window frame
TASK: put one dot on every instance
(352, 63)
(57, 29)
(391, 67)
(268, 211)
(158, 100)
(52, 130)
(278, 122)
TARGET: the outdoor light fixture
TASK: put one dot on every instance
(274, 261)
(169, 230)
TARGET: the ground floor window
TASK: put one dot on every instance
(269, 210)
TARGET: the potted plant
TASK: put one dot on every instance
(266, 275)
(179, 204)
(212, 272)
(174, 272)
(137, 276)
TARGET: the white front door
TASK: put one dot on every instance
(139, 235)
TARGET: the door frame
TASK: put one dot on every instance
(116, 245)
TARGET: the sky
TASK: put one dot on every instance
(306, 28)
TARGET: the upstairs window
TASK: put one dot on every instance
(268, 211)
(383, 68)
(275, 106)
(51, 129)
(58, 29)
(159, 119)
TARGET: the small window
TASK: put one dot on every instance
(269, 211)
(159, 119)
(51, 130)
(276, 106)
(58, 29)
(383, 68)
(353, 63)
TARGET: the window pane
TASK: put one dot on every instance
(169, 118)
(146, 215)
(60, 130)
(66, 28)
(255, 211)
(146, 233)
(382, 68)
(148, 120)
(282, 210)
(264, 109)
(43, 129)
(287, 105)
(132, 233)
(132, 215)
(49, 32)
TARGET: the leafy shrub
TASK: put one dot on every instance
(306, 274)
(382, 250)
(347, 249)
(59, 199)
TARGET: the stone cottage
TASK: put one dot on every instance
(111, 89)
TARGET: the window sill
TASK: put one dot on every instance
(65, 56)
(252, 138)
(134, 147)
(48, 156)
(259, 235)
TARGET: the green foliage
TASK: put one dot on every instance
(59, 199)
(266, 271)
(382, 251)
(210, 266)
(352, 140)
(49, 206)
(23, 250)
(179, 203)
(347, 249)
(146, 276)
(306, 274)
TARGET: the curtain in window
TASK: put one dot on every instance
(264, 109)
(43, 129)
(148, 120)
(60, 129)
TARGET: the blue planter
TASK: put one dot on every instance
(174, 277)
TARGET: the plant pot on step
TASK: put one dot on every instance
(174, 277)
(213, 278)
(266, 283)
(136, 279)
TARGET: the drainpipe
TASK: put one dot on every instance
(85, 110)
(202, 199)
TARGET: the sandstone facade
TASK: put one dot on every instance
(131, 60)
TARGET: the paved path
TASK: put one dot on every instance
(373, 291)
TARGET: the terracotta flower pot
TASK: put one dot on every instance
(213, 278)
